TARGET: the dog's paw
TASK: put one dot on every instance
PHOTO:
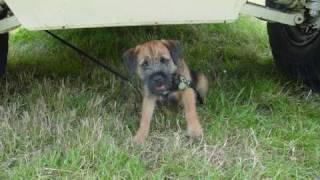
(195, 131)
(138, 139)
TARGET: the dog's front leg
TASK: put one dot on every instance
(148, 106)
(189, 103)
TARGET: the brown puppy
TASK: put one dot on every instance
(165, 75)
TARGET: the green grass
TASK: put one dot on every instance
(62, 117)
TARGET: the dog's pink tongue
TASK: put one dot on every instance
(161, 87)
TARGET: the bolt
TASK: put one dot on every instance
(299, 19)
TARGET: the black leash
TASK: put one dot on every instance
(92, 59)
(99, 63)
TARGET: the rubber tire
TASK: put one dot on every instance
(301, 62)
(3, 52)
(4, 43)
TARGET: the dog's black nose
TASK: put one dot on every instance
(158, 79)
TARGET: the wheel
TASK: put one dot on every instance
(296, 51)
(3, 52)
(4, 38)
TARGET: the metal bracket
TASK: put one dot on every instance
(273, 15)
(8, 24)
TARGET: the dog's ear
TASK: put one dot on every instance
(130, 60)
(175, 50)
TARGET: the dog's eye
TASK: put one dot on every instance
(163, 60)
(145, 64)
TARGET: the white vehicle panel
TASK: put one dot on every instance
(60, 14)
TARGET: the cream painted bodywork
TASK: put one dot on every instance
(61, 14)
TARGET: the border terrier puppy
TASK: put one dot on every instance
(165, 76)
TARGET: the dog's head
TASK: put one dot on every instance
(155, 62)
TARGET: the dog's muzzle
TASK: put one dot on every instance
(159, 83)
